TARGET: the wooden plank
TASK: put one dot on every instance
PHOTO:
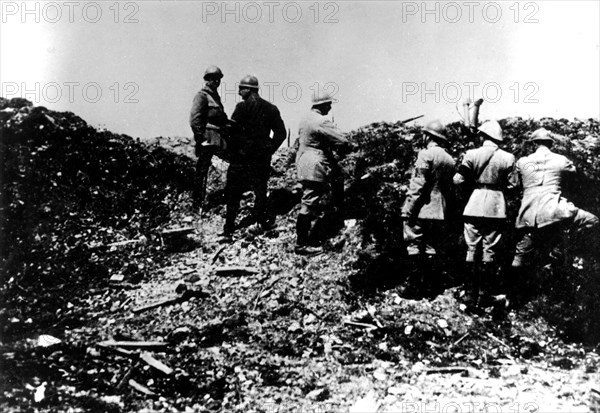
(152, 362)
(118, 351)
(216, 255)
(236, 271)
(450, 370)
(134, 344)
(177, 231)
(363, 325)
(124, 243)
(157, 304)
(141, 388)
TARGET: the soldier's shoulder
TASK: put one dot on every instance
(472, 152)
(506, 154)
(266, 103)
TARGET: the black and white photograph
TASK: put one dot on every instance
(299, 206)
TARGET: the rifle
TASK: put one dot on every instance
(470, 115)
(411, 119)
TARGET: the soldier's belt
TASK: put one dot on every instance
(493, 187)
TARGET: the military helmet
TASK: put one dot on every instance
(492, 129)
(321, 97)
(249, 81)
(212, 72)
(542, 134)
(436, 129)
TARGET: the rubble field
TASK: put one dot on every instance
(117, 296)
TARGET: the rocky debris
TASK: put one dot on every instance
(294, 334)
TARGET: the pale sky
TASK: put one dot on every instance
(385, 61)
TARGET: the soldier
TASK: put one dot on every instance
(208, 120)
(543, 210)
(429, 192)
(251, 153)
(318, 172)
(490, 171)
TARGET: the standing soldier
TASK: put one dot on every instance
(489, 171)
(251, 152)
(208, 120)
(318, 172)
(544, 212)
(429, 193)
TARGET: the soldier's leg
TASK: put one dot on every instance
(524, 249)
(492, 239)
(586, 235)
(519, 275)
(308, 215)
(233, 194)
(472, 238)
(204, 154)
(260, 184)
(322, 204)
(413, 236)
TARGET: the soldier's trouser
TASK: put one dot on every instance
(205, 154)
(316, 200)
(486, 232)
(424, 236)
(545, 238)
(240, 178)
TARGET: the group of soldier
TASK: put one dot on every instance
(245, 141)
(485, 173)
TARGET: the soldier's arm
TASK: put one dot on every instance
(278, 128)
(464, 171)
(239, 113)
(569, 166)
(199, 114)
(333, 136)
(518, 177)
(512, 179)
(417, 187)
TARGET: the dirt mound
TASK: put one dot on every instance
(382, 163)
(295, 334)
(69, 190)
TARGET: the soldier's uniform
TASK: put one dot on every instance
(491, 170)
(208, 120)
(429, 192)
(543, 207)
(250, 154)
(318, 171)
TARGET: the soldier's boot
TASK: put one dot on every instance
(412, 282)
(519, 284)
(487, 283)
(434, 283)
(472, 285)
(304, 224)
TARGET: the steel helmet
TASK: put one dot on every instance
(249, 81)
(212, 72)
(492, 129)
(436, 129)
(542, 134)
(321, 97)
